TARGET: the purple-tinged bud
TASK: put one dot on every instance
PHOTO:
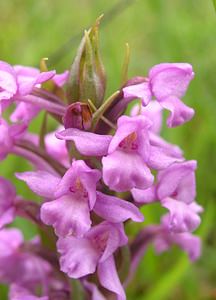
(78, 115)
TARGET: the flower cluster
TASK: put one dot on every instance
(93, 173)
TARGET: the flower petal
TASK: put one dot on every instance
(29, 79)
(170, 79)
(141, 91)
(179, 112)
(190, 244)
(144, 196)
(79, 173)
(123, 171)
(87, 143)
(139, 125)
(157, 141)
(68, 215)
(78, 256)
(61, 79)
(107, 238)
(160, 158)
(41, 183)
(109, 279)
(182, 217)
(116, 210)
(178, 182)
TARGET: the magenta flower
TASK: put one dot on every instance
(7, 202)
(187, 241)
(182, 217)
(28, 78)
(178, 182)
(73, 197)
(30, 269)
(125, 165)
(93, 174)
(97, 246)
(20, 80)
(87, 143)
(167, 82)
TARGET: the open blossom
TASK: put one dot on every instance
(20, 80)
(182, 217)
(186, 240)
(28, 78)
(178, 182)
(128, 149)
(97, 246)
(30, 269)
(73, 196)
(166, 82)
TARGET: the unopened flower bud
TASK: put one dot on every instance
(87, 78)
(78, 115)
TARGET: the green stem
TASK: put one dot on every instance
(102, 109)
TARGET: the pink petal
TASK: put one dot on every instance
(141, 91)
(144, 196)
(109, 279)
(80, 172)
(179, 112)
(68, 215)
(170, 79)
(182, 217)
(116, 210)
(61, 79)
(123, 171)
(87, 143)
(78, 256)
(41, 183)
(177, 181)
(160, 158)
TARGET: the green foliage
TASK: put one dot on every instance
(157, 31)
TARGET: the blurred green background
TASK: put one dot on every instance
(157, 31)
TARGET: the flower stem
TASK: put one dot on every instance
(43, 103)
